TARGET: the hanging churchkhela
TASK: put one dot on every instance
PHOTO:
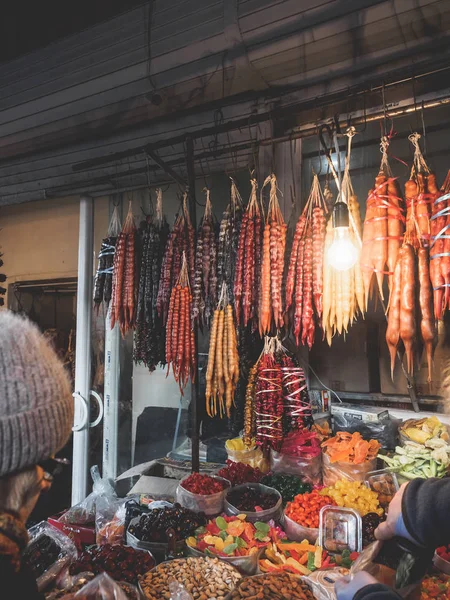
(304, 280)
(440, 246)
(343, 291)
(205, 277)
(247, 278)
(181, 352)
(272, 264)
(104, 275)
(222, 373)
(229, 231)
(123, 303)
(181, 240)
(384, 227)
(411, 312)
(150, 335)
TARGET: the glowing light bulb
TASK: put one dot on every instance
(342, 254)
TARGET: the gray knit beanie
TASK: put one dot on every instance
(36, 405)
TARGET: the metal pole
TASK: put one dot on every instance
(111, 394)
(83, 351)
(194, 386)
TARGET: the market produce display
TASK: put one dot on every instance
(305, 508)
(247, 277)
(232, 536)
(417, 460)
(238, 473)
(444, 553)
(288, 485)
(150, 334)
(350, 447)
(123, 302)
(229, 233)
(302, 443)
(205, 278)
(384, 226)
(435, 587)
(153, 526)
(370, 522)
(304, 279)
(343, 291)
(250, 499)
(181, 241)
(122, 563)
(181, 352)
(40, 554)
(385, 485)
(440, 246)
(203, 484)
(222, 374)
(104, 274)
(424, 430)
(300, 558)
(280, 586)
(201, 577)
(272, 264)
(354, 494)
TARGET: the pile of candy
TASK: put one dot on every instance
(305, 508)
(238, 473)
(354, 494)
(203, 484)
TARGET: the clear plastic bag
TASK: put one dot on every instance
(103, 587)
(211, 504)
(46, 540)
(298, 533)
(397, 563)
(110, 520)
(84, 512)
(333, 472)
(308, 469)
(178, 591)
(322, 582)
(252, 457)
(384, 431)
(274, 513)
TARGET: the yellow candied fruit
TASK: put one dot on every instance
(354, 494)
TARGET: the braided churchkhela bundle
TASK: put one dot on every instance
(181, 352)
(304, 280)
(123, 304)
(247, 279)
(181, 240)
(343, 291)
(440, 245)
(222, 373)
(272, 264)
(150, 335)
(277, 399)
(104, 275)
(229, 231)
(205, 277)
(384, 227)
(411, 312)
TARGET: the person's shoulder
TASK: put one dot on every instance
(16, 585)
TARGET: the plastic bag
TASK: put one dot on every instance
(103, 587)
(110, 520)
(397, 563)
(247, 565)
(211, 504)
(308, 469)
(178, 591)
(333, 472)
(322, 582)
(84, 512)
(264, 515)
(384, 431)
(252, 457)
(48, 552)
(298, 533)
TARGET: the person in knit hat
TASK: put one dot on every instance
(36, 417)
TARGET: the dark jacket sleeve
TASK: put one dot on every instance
(15, 586)
(376, 591)
(425, 510)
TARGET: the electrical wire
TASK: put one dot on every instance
(307, 365)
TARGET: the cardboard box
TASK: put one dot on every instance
(363, 413)
(81, 535)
